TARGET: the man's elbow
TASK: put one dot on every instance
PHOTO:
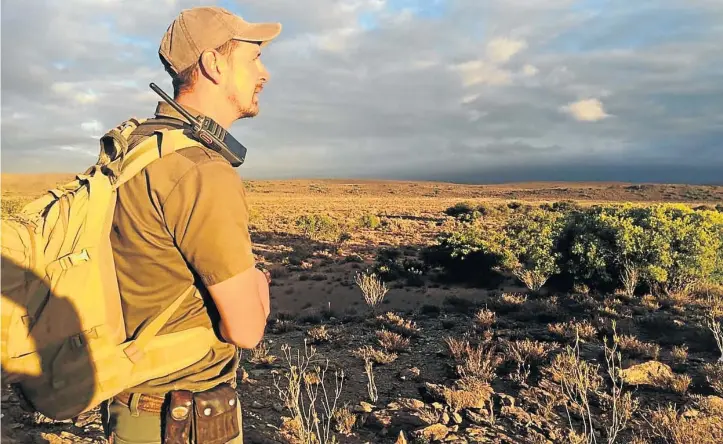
(244, 336)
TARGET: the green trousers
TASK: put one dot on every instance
(128, 425)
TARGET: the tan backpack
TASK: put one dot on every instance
(63, 337)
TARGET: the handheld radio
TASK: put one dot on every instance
(209, 133)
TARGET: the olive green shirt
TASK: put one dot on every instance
(183, 219)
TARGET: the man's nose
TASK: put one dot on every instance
(264, 74)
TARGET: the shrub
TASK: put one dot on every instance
(370, 221)
(667, 247)
(318, 227)
(468, 252)
(671, 247)
(529, 247)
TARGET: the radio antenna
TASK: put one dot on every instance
(173, 103)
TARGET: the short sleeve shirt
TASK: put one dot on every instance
(182, 220)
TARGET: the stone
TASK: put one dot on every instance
(506, 400)
(461, 399)
(652, 373)
(406, 403)
(437, 406)
(363, 407)
(409, 374)
(379, 420)
(476, 418)
(435, 432)
(408, 420)
(256, 405)
(457, 418)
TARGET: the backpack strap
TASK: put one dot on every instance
(135, 350)
(148, 151)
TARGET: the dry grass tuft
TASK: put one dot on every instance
(513, 300)
(573, 329)
(680, 354)
(680, 383)
(479, 361)
(319, 334)
(369, 353)
(484, 319)
(344, 420)
(650, 302)
(714, 376)
(671, 426)
(526, 353)
(392, 341)
(372, 288)
(636, 348)
(398, 324)
(260, 355)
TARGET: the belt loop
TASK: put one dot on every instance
(133, 404)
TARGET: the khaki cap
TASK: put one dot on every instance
(202, 28)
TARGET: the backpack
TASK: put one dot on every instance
(63, 339)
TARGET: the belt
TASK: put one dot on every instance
(147, 403)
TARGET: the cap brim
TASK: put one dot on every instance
(262, 33)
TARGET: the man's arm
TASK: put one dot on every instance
(207, 214)
(252, 284)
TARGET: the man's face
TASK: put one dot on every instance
(246, 78)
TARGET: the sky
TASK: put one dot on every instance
(469, 91)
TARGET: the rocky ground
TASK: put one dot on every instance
(451, 363)
(462, 371)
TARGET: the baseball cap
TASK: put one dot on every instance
(202, 28)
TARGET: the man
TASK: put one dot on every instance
(184, 219)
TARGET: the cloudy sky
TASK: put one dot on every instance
(459, 90)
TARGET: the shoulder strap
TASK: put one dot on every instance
(148, 151)
(135, 350)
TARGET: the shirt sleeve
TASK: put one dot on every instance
(207, 214)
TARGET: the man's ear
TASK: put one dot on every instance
(212, 65)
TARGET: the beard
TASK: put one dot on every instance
(245, 110)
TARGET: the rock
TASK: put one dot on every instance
(257, 373)
(379, 420)
(476, 418)
(363, 407)
(406, 403)
(475, 398)
(409, 374)
(277, 407)
(401, 439)
(408, 420)
(256, 405)
(437, 406)
(436, 432)
(652, 373)
(445, 418)
(506, 400)
(457, 418)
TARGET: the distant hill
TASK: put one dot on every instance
(29, 185)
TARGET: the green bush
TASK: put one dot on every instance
(528, 247)
(318, 227)
(468, 252)
(370, 221)
(667, 247)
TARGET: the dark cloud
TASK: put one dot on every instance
(485, 90)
